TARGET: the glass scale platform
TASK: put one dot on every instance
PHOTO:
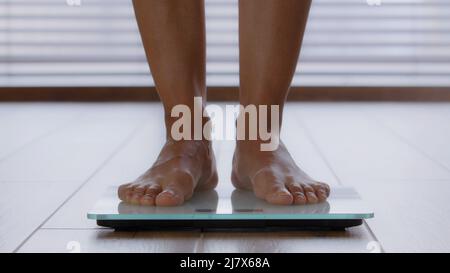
(234, 210)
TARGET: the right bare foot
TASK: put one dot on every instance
(181, 168)
(274, 176)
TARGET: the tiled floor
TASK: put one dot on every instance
(57, 159)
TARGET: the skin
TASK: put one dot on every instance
(173, 34)
(270, 35)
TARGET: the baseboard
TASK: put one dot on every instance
(97, 94)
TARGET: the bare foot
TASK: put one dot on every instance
(274, 176)
(182, 167)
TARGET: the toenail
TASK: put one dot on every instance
(148, 196)
(300, 196)
(136, 196)
(312, 195)
(281, 194)
(170, 193)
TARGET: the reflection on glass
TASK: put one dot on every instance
(247, 202)
(344, 203)
(201, 202)
(242, 202)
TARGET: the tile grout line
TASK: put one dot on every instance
(76, 228)
(405, 140)
(96, 171)
(382, 250)
(328, 164)
(318, 150)
(44, 135)
(198, 248)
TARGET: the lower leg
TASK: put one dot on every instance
(270, 35)
(173, 34)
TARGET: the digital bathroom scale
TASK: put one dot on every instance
(235, 210)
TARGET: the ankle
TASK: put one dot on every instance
(188, 122)
(249, 146)
(258, 125)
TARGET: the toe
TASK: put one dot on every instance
(179, 186)
(321, 190)
(279, 196)
(126, 191)
(123, 190)
(135, 198)
(136, 194)
(148, 199)
(312, 198)
(321, 195)
(153, 190)
(169, 197)
(297, 193)
(310, 194)
(268, 186)
(321, 187)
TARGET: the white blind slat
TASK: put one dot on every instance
(347, 43)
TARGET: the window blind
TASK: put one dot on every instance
(347, 43)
